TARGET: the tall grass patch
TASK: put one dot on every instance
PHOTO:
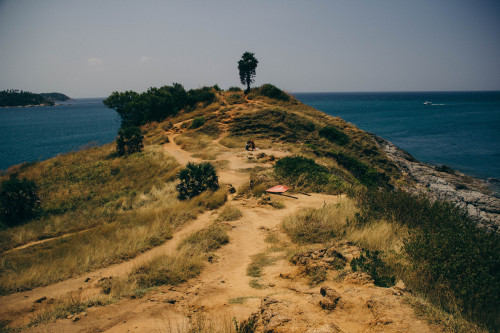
(230, 213)
(84, 189)
(167, 270)
(206, 240)
(453, 262)
(67, 307)
(320, 225)
(131, 225)
(185, 264)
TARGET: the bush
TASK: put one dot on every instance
(334, 135)
(296, 166)
(271, 91)
(19, 200)
(197, 122)
(366, 175)
(453, 261)
(203, 95)
(156, 104)
(129, 140)
(234, 89)
(196, 178)
(370, 263)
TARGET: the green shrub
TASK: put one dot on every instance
(334, 135)
(234, 89)
(296, 166)
(129, 140)
(203, 95)
(198, 122)
(196, 178)
(156, 104)
(369, 262)
(19, 200)
(271, 91)
(366, 175)
(453, 261)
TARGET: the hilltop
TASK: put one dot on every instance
(354, 245)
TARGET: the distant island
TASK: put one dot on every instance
(15, 97)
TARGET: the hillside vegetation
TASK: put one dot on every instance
(111, 208)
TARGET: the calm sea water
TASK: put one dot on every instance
(37, 133)
(459, 129)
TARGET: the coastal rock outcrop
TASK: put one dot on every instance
(448, 185)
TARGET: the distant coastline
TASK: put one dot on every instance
(28, 106)
(20, 98)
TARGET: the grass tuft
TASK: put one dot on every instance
(230, 213)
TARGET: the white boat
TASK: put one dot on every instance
(427, 103)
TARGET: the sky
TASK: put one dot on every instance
(90, 48)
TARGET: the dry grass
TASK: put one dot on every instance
(60, 259)
(205, 241)
(378, 236)
(232, 142)
(199, 322)
(320, 225)
(167, 270)
(200, 144)
(90, 188)
(230, 213)
(193, 142)
(435, 316)
(64, 308)
(130, 210)
(338, 221)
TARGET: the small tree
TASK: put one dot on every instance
(247, 66)
(196, 178)
(129, 140)
(19, 200)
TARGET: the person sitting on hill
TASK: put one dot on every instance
(250, 145)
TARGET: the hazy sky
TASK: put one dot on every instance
(89, 48)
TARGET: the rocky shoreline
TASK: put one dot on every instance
(449, 185)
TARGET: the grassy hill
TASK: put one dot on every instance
(99, 209)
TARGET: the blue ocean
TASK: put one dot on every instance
(38, 133)
(458, 129)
